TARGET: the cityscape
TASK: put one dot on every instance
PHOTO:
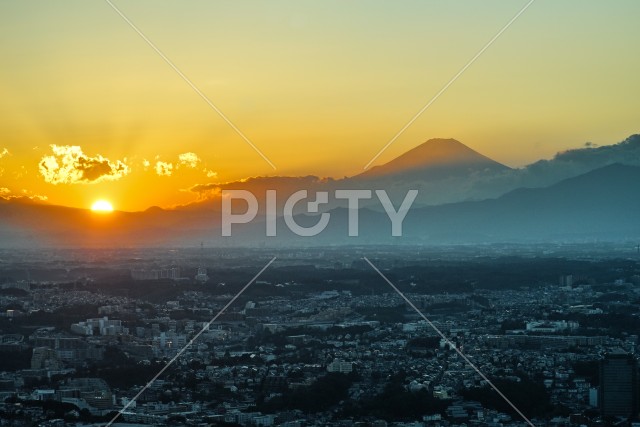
(319, 338)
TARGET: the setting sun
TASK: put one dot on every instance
(102, 206)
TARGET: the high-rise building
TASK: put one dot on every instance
(566, 280)
(618, 384)
(201, 275)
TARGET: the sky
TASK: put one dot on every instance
(89, 111)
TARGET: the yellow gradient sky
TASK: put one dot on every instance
(319, 86)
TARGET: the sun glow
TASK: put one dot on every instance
(102, 206)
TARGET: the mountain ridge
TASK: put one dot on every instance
(595, 205)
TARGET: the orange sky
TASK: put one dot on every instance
(89, 111)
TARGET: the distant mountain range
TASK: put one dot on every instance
(601, 205)
(580, 195)
(447, 171)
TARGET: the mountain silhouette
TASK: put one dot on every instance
(435, 159)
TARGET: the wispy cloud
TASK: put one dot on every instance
(262, 183)
(164, 168)
(33, 196)
(210, 173)
(7, 194)
(190, 160)
(70, 165)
